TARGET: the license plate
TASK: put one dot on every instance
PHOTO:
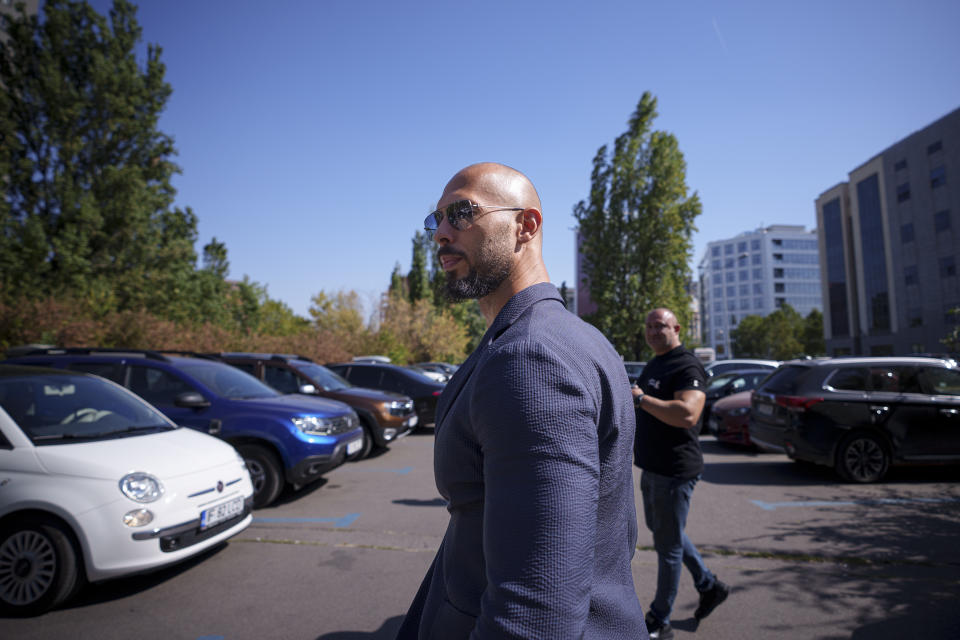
(412, 421)
(354, 446)
(765, 409)
(220, 513)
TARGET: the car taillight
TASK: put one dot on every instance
(797, 403)
(437, 393)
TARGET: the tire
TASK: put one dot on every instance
(265, 473)
(368, 442)
(39, 566)
(862, 457)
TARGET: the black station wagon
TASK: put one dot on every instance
(860, 415)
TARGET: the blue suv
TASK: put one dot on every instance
(289, 439)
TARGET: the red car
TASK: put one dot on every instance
(730, 417)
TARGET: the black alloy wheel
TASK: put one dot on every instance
(265, 473)
(862, 457)
(39, 566)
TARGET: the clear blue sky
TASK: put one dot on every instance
(315, 135)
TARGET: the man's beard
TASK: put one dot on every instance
(491, 267)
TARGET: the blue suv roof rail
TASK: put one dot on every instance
(93, 351)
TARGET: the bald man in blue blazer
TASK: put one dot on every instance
(534, 442)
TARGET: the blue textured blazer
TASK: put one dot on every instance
(533, 453)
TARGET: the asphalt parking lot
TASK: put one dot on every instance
(807, 557)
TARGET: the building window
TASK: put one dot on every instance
(756, 258)
(910, 275)
(731, 305)
(744, 275)
(755, 245)
(777, 242)
(933, 148)
(778, 287)
(778, 273)
(742, 247)
(906, 232)
(758, 303)
(728, 249)
(742, 260)
(730, 276)
(778, 257)
(758, 288)
(941, 220)
(728, 263)
(745, 304)
(947, 267)
(715, 252)
(717, 278)
(758, 274)
(903, 192)
(733, 320)
(744, 289)
(779, 302)
(914, 318)
(718, 306)
(900, 165)
(718, 292)
(731, 292)
(938, 177)
(715, 265)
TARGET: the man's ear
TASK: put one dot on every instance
(530, 222)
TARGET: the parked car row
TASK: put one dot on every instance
(99, 477)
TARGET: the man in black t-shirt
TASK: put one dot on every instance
(669, 400)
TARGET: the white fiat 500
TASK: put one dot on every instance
(95, 483)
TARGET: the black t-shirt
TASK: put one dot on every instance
(659, 447)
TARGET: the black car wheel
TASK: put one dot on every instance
(265, 473)
(38, 567)
(367, 441)
(862, 457)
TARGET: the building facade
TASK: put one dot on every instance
(756, 273)
(890, 247)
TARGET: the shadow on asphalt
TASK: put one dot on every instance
(387, 631)
(413, 502)
(118, 588)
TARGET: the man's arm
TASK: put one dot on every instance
(683, 411)
(535, 422)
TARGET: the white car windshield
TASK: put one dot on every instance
(57, 408)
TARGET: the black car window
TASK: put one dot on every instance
(785, 379)
(392, 381)
(109, 370)
(283, 380)
(249, 367)
(156, 386)
(365, 377)
(849, 379)
(939, 381)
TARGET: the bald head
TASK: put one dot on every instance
(495, 183)
(662, 331)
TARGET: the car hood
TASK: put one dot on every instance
(165, 455)
(734, 401)
(294, 404)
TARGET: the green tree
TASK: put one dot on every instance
(814, 343)
(88, 201)
(419, 278)
(635, 231)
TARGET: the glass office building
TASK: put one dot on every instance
(756, 273)
(889, 253)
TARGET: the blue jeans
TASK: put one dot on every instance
(666, 502)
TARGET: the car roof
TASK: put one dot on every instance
(870, 360)
(20, 370)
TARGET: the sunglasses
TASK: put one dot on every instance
(461, 214)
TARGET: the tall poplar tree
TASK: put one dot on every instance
(635, 231)
(87, 206)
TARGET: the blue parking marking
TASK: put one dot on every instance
(772, 506)
(403, 471)
(344, 521)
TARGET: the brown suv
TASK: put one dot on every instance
(385, 415)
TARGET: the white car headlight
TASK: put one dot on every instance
(314, 424)
(141, 487)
